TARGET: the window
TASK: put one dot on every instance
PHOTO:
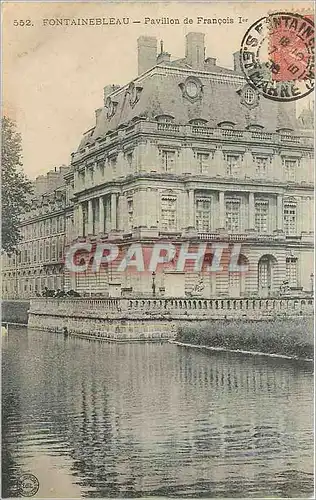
(41, 251)
(91, 172)
(203, 214)
(61, 224)
(82, 178)
(261, 215)
(234, 279)
(35, 251)
(101, 168)
(53, 253)
(249, 96)
(264, 271)
(29, 254)
(113, 160)
(261, 166)
(291, 271)
(232, 215)
(61, 242)
(203, 162)
(129, 159)
(168, 213)
(233, 165)
(164, 118)
(130, 212)
(290, 169)
(289, 218)
(54, 225)
(47, 250)
(168, 160)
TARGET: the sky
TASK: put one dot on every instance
(53, 76)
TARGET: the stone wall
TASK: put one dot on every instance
(122, 319)
(15, 311)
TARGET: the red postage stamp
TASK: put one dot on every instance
(291, 46)
(277, 56)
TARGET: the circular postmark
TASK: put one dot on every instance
(28, 485)
(277, 56)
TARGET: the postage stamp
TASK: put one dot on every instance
(277, 56)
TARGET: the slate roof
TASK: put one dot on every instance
(220, 101)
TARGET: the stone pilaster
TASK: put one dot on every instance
(221, 210)
(277, 168)
(251, 211)
(279, 212)
(248, 167)
(101, 215)
(113, 211)
(90, 217)
(218, 165)
(191, 208)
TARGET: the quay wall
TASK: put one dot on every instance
(131, 319)
(15, 311)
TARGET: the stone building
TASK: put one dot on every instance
(188, 152)
(39, 259)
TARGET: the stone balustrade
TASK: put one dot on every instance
(189, 130)
(174, 307)
(153, 319)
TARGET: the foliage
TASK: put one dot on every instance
(286, 336)
(15, 187)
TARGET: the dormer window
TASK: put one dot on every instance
(134, 93)
(164, 118)
(200, 122)
(191, 88)
(111, 107)
(226, 125)
(249, 96)
(285, 131)
(255, 127)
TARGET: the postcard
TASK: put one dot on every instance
(157, 258)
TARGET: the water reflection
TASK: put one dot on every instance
(147, 419)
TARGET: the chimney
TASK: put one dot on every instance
(63, 169)
(237, 67)
(195, 50)
(40, 185)
(52, 179)
(163, 57)
(147, 53)
(97, 114)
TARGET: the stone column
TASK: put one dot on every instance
(101, 215)
(191, 209)
(251, 211)
(221, 202)
(90, 217)
(279, 212)
(113, 211)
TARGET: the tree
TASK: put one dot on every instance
(15, 186)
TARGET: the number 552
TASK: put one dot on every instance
(22, 22)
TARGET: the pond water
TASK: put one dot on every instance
(131, 420)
